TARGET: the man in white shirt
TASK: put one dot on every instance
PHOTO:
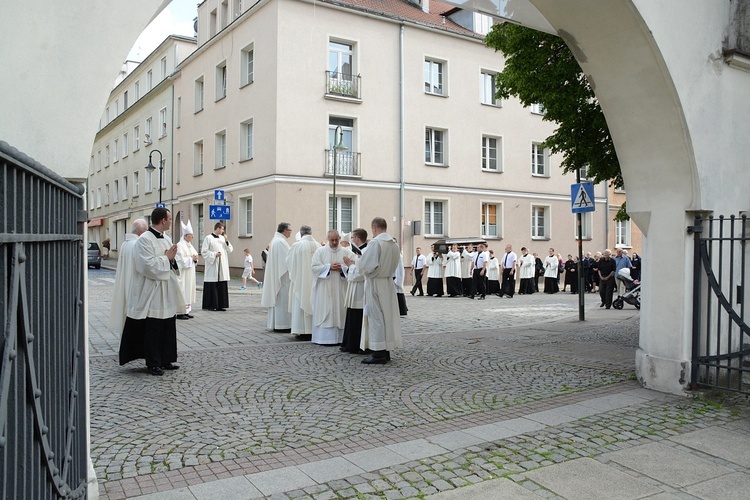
(417, 266)
(508, 264)
(479, 271)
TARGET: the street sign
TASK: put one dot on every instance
(161, 205)
(219, 212)
(582, 197)
(219, 194)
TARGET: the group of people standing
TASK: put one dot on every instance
(343, 293)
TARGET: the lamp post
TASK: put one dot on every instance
(150, 167)
(338, 147)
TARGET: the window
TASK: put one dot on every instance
(199, 226)
(340, 59)
(124, 144)
(149, 182)
(163, 68)
(487, 81)
(92, 199)
(106, 115)
(540, 222)
(237, 8)
(537, 109)
(491, 147)
(178, 112)
(344, 161)
(434, 146)
(198, 158)
(539, 156)
(114, 151)
(99, 197)
(221, 150)
(136, 187)
(163, 122)
(482, 23)
(106, 194)
(586, 225)
(212, 23)
(224, 14)
(149, 80)
(584, 172)
(99, 160)
(221, 81)
(147, 139)
(247, 61)
(246, 216)
(199, 94)
(137, 90)
(433, 77)
(106, 156)
(117, 108)
(115, 191)
(136, 138)
(344, 213)
(433, 218)
(125, 100)
(246, 140)
(490, 220)
(622, 233)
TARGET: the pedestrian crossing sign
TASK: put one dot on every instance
(582, 197)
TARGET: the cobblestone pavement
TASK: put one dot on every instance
(248, 401)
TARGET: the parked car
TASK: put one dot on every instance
(94, 255)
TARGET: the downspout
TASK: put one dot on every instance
(606, 218)
(401, 137)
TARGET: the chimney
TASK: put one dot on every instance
(425, 6)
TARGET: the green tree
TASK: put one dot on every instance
(539, 68)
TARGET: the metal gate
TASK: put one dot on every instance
(43, 441)
(721, 336)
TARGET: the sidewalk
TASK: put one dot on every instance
(495, 399)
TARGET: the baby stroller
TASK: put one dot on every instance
(632, 293)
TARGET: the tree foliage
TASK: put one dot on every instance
(539, 68)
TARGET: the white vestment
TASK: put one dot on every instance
(299, 263)
(550, 266)
(185, 253)
(453, 265)
(467, 263)
(528, 266)
(155, 291)
(355, 287)
(215, 268)
(328, 293)
(123, 282)
(381, 322)
(276, 285)
(493, 269)
(434, 266)
(398, 276)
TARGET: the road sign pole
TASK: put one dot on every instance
(581, 284)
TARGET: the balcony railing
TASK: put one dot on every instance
(347, 163)
(342, 85)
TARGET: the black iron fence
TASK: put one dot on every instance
(343, 162)
(342, 84)
(721, 336)
(43, 442)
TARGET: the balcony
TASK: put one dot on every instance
(347, 163)
(343, 87)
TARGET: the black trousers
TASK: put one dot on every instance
(509, 282)
(478, 287)
(417, 282)
(606, 289)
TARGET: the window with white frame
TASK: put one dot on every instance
(136, 185)
(149, 80)
(482, 23)
(246, 216)
(163, 175)
(491, 153)
(136, 138)
(114, 150)
(99, 197)
(433, 77)
(540, 219)
(106, 115)
(148, 182)
(99, 160)
(622, 233)
(537, 109)
(539, 160)
(125, 100)
(224, 14)
(620, 189)
(237, 8)
(221, 80)
(106, 156)
(199, 94)
(491, 220)
(434, 216)
(247, 63)
(106, 194)
(163, 122)
(487, 82)
(434, 146)
(137, 90)
(198, 224)
(163, 68)
(124, 144)
(117, 108)
(340, 60)
(246, 140)
(92, 199)
(178, 113)
(587, 219)
(198, 158)
(584, 172)
(124, 186)
(148, 139)
(344, 208)
(220, 142)
(115, 191)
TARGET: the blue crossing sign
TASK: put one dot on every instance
(219, 212)
(161, 205)
(582, 197)
(219, 195)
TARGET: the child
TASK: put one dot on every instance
(249, 271)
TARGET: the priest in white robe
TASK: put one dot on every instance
(468, 255)
(381, 326)
(299, 263)
(493, 275)
(527, 265)
(355, 294)
(155, 298)
(215, 251)
(329, 291)
(187, 257)
(276, 281)
(453, 272)
(124, 277)
(434, 273)
(551, 264)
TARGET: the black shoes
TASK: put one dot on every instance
(170, 366)
(601, 305)
(190, 316)
(155, 370)
(481, 298)
(183, 316)
(412, 293)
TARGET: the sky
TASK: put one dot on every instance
(176, 19)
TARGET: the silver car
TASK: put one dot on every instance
(94, 255)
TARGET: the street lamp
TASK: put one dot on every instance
(338, 147)
(150, 167)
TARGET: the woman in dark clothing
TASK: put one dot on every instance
(595, 271)
(571, 273)
(635, 271)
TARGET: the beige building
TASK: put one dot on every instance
(136, 127)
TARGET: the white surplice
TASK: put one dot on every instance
(155, 291)
(328, 294)
(381, 323)
(276, 284)
(123, 282)
(185, 253)
(299, 263)
(453, 265)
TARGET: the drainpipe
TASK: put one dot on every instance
(606, 219)
(401, 138)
